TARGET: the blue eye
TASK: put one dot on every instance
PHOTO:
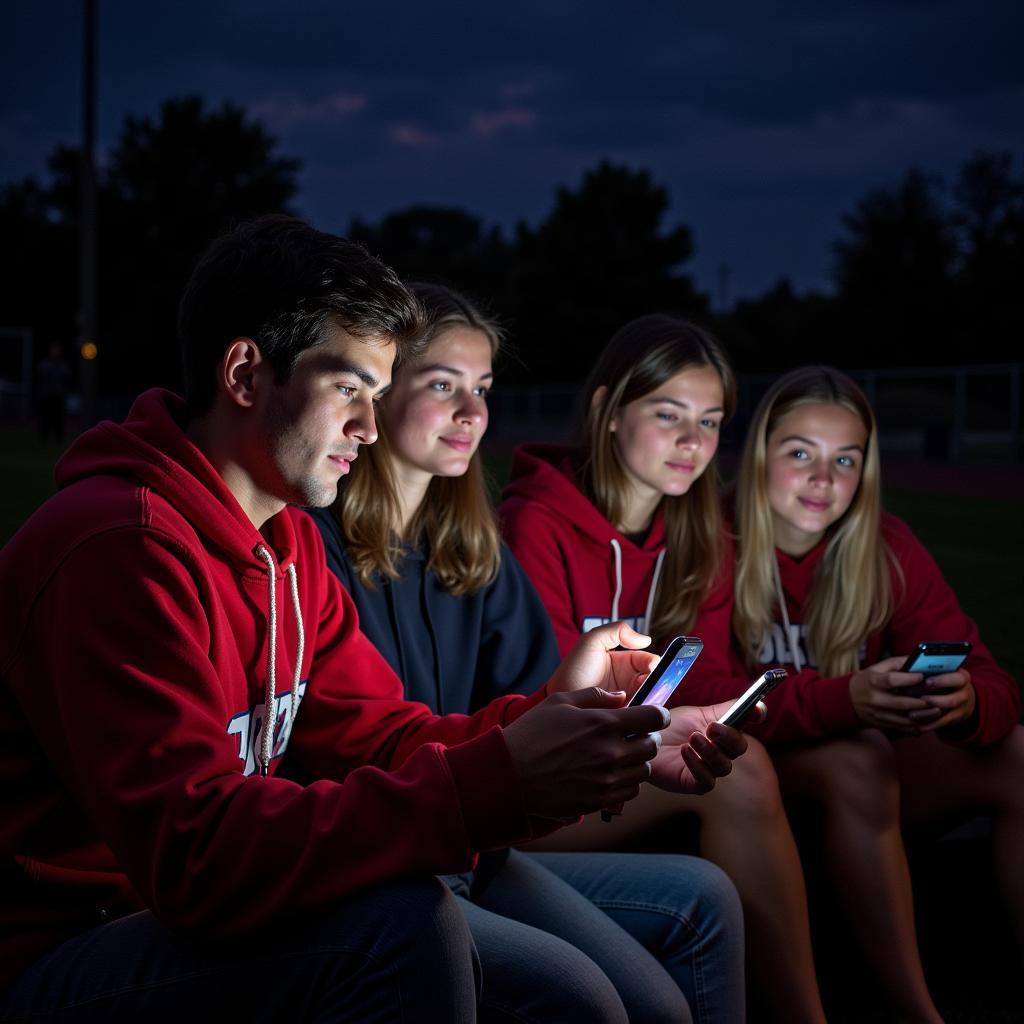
(847, 461)
(799, 454)
(667, 417)
(441, 385)
(481, 392)
(709, 424)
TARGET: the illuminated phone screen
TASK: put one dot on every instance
(936, 664)
(669, 672)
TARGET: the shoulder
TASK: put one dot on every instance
(901, 539)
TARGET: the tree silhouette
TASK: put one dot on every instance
(894, 272)
(989, 217)
(600, 258)
(445, 244)
(172, 184)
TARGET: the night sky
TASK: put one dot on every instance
(766, 121)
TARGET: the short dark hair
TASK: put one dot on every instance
(283, 283)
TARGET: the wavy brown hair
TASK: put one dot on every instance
(455, 520)
(851, 595)
(637, 360)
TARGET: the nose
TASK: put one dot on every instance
(821, 472)
(362, 426)
(471, 409)
(688, 437)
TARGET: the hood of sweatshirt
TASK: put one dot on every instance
(610, 576)
(150, 446)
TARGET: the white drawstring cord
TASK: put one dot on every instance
(791, 644)
(618, 580)
(646, 625)
(270, 693)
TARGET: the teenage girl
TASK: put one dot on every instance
(414, 540)
(627, 525)
(830, 586)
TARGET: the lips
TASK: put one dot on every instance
(815, 504)
(682, 467)
(343, 461)
(460, 442)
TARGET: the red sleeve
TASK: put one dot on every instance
(531, 533)
(927, 609)
(129, 710)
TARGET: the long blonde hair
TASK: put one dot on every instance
(455, 519)
(851, 595)
(637, 360)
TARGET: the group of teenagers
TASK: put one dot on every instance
(272, 662)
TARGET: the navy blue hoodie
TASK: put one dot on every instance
(453, 654)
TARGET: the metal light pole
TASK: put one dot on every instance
(87, 348)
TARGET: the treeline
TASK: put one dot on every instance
(923, 274)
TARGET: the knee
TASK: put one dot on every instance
(421, 918)
(1007, 771)
(862, 779)
(750, 792)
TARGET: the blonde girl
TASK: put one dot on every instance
(839, 592)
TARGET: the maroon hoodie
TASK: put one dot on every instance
(808, 705)
(135, 633)
(587, 572)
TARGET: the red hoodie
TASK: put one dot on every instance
(806, 705)
(134, 639)
(587, 572)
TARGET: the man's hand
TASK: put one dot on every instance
(696, 750)
(578, 752)
(594, 661)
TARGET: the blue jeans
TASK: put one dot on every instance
(393, 953)
(606, 937)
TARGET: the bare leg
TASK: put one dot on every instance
(988, 779)
(854, 781)
(745, 832)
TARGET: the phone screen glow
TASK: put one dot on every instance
(673, 675)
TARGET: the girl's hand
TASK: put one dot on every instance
(597, 661)
(950, 697)
(695, 750)
(878, 698)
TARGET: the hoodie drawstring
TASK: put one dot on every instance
(617, 551)
(270, 694)
(791, 644)
(653, 591)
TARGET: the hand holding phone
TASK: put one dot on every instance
(934, 658)
(663, 679)
(757, 689)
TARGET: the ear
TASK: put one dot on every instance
(240, 370)
(597, 400)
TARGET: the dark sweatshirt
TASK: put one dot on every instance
(452, 653)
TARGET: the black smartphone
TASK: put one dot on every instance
(677, 660)
(933, 658)
(757, 689)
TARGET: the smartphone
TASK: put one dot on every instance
(757, 689)
(933, 658)
(677, 660)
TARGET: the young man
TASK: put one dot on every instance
(161, 848)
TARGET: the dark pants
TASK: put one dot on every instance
(398, 952)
